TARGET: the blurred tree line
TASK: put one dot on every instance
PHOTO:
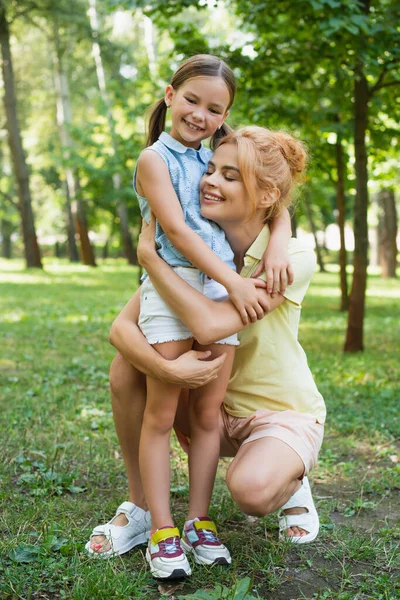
(78, 76)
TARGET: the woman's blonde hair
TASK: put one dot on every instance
(268, 160)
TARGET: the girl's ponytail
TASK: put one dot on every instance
(156, 122)
(220, 133)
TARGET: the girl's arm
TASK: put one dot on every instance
(189, 370)
(154, 183)
(275, 261)
(209, 321)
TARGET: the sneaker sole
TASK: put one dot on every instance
(200, 560)
(165, 575)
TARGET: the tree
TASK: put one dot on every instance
(74, 202)
(387, 232)
(31, 246)
(122, 210)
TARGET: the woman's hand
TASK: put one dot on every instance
(192, 369)
(146, 245)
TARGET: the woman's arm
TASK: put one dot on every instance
(189, 370)
(209, 321)
(154, 182)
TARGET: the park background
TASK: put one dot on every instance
(77, 79)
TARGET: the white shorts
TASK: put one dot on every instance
(160, 324)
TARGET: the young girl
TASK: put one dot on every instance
(167, 183)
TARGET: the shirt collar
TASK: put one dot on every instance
(257, 248)
(176, 146)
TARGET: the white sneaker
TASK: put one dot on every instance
(123, 538)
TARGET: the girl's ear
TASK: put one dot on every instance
(169, 94)
(225, 116)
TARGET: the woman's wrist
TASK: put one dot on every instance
(146, 256)
(162, 370)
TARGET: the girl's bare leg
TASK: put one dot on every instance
(263, 476)
(128, 397)
(204, 451)
(158, 419)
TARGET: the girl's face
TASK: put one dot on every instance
(198, 108)
(223, 195)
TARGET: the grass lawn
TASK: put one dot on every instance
(62, 472)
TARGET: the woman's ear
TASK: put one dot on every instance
(270, 198)
(169, 94)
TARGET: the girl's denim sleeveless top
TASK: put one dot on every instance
(186, 167)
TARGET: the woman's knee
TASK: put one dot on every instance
(123, 376)
(254, 495)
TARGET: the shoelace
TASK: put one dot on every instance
(171, 545)
(207, 536)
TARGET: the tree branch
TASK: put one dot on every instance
(387, 84)
(9, 199)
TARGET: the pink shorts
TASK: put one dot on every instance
(300, 431)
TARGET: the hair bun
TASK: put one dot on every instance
(294, 152)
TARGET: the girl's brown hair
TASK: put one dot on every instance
(268, 160)
(200, 65)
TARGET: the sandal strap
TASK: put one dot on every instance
(303, 521)
(126, 508)
(301, 499)
(100, 530)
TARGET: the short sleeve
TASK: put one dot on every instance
(304, 263)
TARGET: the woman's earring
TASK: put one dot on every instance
(167, 105)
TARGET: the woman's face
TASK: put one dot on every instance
(223, 195)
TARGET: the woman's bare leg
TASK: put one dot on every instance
(204, 407)
(263, 476)
(128, 398)
(158, 419)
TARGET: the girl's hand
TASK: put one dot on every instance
(245, 297)
(146, 245)
(278, 270)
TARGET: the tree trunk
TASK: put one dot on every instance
(64, 118)
(122, 210)
(31, 246)
(341, 208)
(354, 338)
(387, 233)
(73, 253)
(6, 231)
(314, 232)
(81, 225)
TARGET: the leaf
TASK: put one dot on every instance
(75, 489)
(58, 543)
(24, 553)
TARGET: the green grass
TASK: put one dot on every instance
(62, 472)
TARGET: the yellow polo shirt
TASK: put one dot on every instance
(270, 370)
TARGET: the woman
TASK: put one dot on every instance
(273, 415)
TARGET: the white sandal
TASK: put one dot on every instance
(308, 521)
(123, 538)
